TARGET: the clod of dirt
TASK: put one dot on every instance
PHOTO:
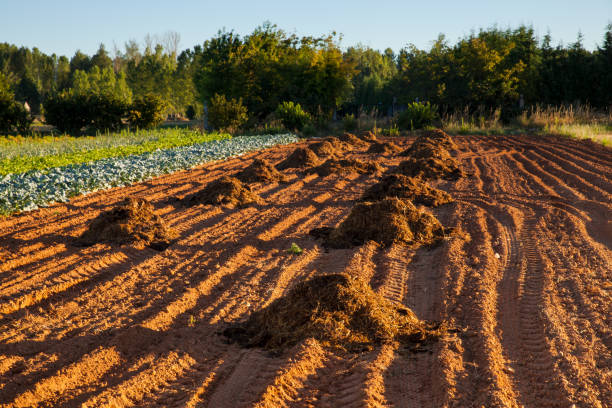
(261, 171)
(352, 140)
(300, 157)
(410, 188)
(383, 148)
(387, 221)
(224, 191)
(338, 310)
(323, 149)
(133, 222)
(345, 166)
(367, 136)
(431, 168)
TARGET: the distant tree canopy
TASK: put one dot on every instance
(270, 66)
(491, 67)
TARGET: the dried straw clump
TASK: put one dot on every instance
(383, 148)
(260, 171)
(388, 221)
(133, 222)
(345, 166)
(224, 191)
(410, 188)
(338, 310)
(300, 157)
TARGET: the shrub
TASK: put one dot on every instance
(226, 113)
(309, 130)
(292, 115)
(417, 116)
(190, 112)
(147, 111)
(13, 115)
(70, 112)
(349, 122)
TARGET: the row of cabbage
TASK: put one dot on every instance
(34, 189)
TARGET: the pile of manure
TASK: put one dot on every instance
(323, 149)
(352, 140)
(132, 222)
(383, 148)
(345, 166)
(260, 170)
(431, 140)
(428, 157)
(410, 188)
(440, 138)
(224, 191)
(340, 311)
(387, 221)
(430, 168)
(336, 143)
(299, 158)
(367, 136)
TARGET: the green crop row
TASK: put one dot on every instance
(18, 155)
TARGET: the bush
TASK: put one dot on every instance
(349, 122)
(69, 112)
(417, 116)
(292, 115)
(147, 111)
(13, 115)
(190, 112)
(225, 113)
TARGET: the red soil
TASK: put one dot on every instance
(525, 278)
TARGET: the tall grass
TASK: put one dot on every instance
(575, 121)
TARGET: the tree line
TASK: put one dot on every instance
(507, 68)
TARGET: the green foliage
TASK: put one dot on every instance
(18, 155)
(392, 130)
(13, 115)
(147, 111)
(190, 112)
(417, 116)
(374, 72)
(98, 99)
(295, 249)
(70, 112)
(292, 115)
(269, 66)
(226, 113)
(309, 130)
(349, 123)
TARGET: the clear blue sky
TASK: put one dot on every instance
(63, 26)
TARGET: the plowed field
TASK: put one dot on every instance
(524, 279)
